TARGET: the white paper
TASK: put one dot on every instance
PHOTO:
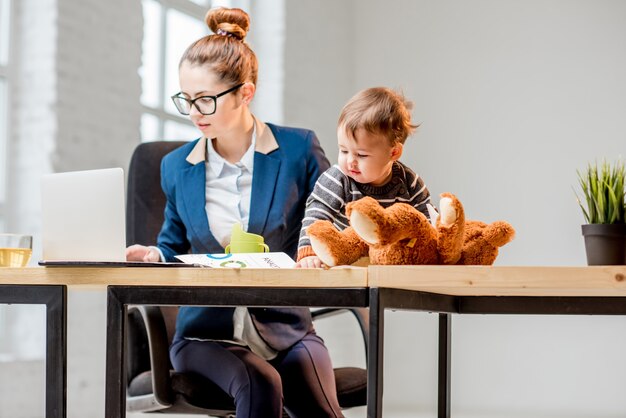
(239, 260)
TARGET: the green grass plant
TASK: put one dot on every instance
(603, 192)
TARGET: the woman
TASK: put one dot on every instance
(241, 170)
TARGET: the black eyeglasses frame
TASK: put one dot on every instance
(192, 102)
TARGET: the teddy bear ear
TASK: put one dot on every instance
(432, 214)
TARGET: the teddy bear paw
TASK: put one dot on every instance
(322, 250)
(447, 211)
(364, 227)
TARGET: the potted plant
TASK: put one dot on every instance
(604, 210)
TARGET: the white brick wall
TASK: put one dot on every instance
(99, 52)
(76, 95)
(33, 121)
(75, 105)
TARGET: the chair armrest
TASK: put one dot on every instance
(158, 351)
(362, 315)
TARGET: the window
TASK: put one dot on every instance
(169, 27)
(5, 28)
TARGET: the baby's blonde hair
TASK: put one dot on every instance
(380, 111)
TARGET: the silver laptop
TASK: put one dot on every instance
(84, 220)
(84, 216)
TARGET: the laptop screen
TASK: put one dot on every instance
(84, 215)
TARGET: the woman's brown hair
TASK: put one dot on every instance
(225, 52)
(380, 111)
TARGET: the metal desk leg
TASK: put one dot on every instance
(445, 334)
(56, 351)
(375, 355)
(55, 299)
(115, 400)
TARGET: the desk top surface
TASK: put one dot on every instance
(503, 280)
(156, 276)
(451, 280)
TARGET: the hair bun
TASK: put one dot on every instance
(233, 23)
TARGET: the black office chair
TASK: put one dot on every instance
(152, 384)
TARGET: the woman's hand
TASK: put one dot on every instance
(311, 262)
(142, 253)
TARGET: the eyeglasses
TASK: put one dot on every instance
(207, 105)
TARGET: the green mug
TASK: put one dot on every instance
(245, 242)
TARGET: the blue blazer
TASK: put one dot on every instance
(287, 162)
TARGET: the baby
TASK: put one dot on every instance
(372, 129)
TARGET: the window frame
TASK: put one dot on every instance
(162, 116)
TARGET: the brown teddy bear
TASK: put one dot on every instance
(400, 234)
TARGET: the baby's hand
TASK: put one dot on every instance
(311, 262)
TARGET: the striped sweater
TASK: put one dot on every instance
(334, 190)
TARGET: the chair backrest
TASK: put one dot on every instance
(145, 201)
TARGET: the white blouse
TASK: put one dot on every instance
(228, 191)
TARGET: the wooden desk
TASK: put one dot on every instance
(216, 287)
(443, 289)
(483, 290)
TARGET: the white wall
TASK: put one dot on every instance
(513, 97)
(319, 66)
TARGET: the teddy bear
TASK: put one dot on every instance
(400, 234)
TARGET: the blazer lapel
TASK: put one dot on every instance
(192, 187)
(266, 170)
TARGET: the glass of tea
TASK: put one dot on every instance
(15, 250)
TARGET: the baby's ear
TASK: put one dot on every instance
(396, 151)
